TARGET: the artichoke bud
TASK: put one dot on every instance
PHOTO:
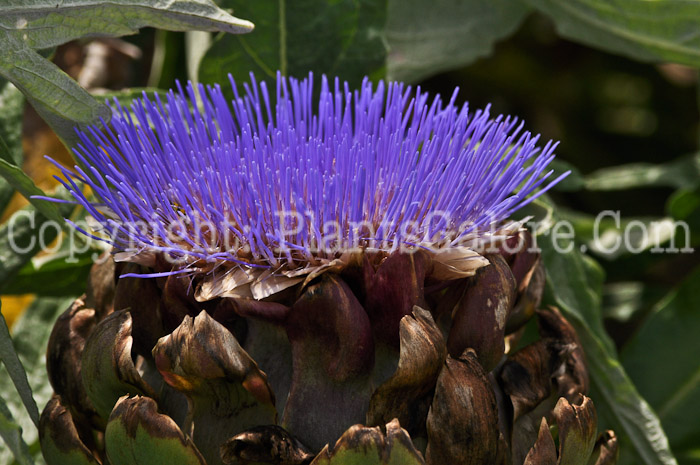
(375, 344)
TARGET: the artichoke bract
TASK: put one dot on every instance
(314, 280)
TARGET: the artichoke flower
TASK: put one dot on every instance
(314, 278)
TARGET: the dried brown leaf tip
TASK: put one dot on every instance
(60, 438)
(407, 394)
(137, 434)
(269, 444)
(463, 419)
(371, 446)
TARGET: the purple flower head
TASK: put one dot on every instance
(260, 193)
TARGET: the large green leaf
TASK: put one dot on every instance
(55, 96)
(61, 276)
(662, 360)
(11, 433)
(625, 300)
(16, 372)
(681, 173)
(574, 284)
(62, 268)
(11, 108)
(426, 38)
(23, 236)
(14, 175)
(31, 334)
(44, 24)
(609, 235)
(659, 30)
(340, 38)
(684, 205)
(26, 26)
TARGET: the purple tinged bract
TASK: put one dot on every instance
(290, 181)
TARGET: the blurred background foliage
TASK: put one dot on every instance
(616, 82)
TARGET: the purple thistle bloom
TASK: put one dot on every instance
(257, 194)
